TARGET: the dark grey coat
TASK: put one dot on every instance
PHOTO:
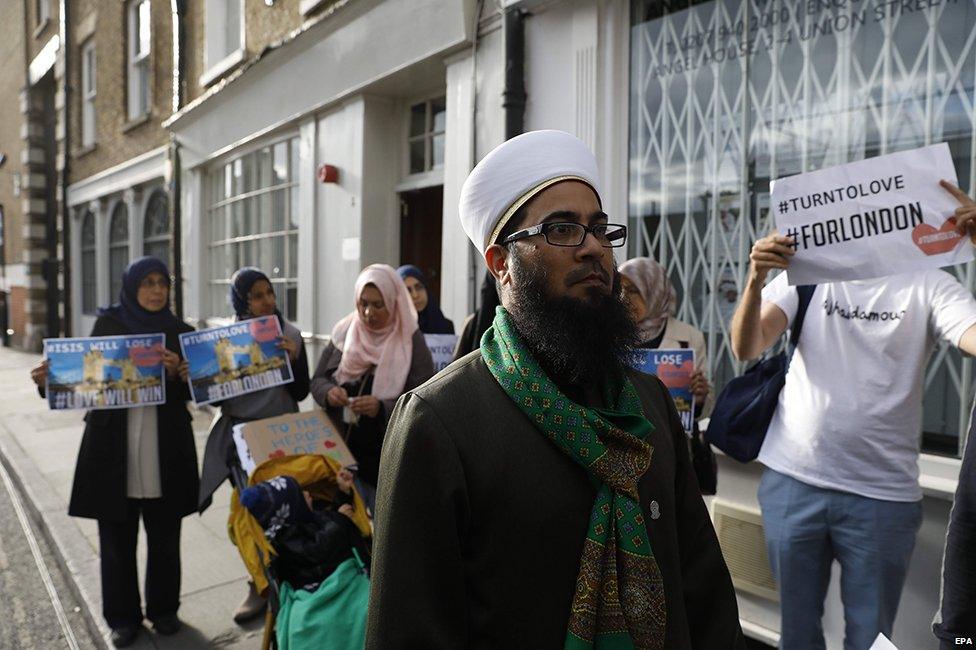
(366, 437)
(481, 521)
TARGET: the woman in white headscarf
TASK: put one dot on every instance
(649, 291)
(376, 354)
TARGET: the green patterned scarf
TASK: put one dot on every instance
(619, 598)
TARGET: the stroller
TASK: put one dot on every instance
(317, 475)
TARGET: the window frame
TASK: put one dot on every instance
(89, 272)
(214, 26)
(119, 210)
(89, 90)
(156, 196)
(227, 242)
(427, 136)
(42, 9)
(138, 67)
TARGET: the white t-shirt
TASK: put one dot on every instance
(850, 415)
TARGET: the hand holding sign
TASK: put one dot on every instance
(771, 252)
(965, 215)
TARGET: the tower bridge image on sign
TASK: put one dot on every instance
(232, 364)
(99, 373)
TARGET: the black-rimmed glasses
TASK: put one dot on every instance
(568, 233)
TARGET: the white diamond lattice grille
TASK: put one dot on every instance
(728, 94)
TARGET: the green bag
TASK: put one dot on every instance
(333, 616)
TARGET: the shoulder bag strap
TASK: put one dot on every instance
(806, 295)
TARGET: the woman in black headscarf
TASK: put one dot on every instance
(430, 318)
(252, 296)
(138, 462)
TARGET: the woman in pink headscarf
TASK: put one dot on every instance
(376, 354)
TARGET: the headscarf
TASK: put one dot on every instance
(431, 320)
(515, 171)
(655, 287)
(390, 349)
(128, 311)
(275, 503)
(240, 286)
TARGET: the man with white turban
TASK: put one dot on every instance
(538, 493)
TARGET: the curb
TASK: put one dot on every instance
(78, 563)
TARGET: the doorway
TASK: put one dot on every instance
(421, 212)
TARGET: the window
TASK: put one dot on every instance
(88, 94)
(140, 43)
(156, 235)
(42, 10)
(224, 27)
(428, 121)
(89, 293)
(707, 133)
(253, 219)
(118, 248)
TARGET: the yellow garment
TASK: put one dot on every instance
(317, 475)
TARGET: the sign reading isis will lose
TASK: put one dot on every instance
(674, 368)
(872, 218)
(105, 372)
(235, 359)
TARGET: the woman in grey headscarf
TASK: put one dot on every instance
(253, 296)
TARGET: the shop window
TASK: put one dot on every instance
(156, 234)
(838, 83)
(253, 221)
(118, 249)
(89, 286)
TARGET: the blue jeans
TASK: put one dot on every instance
(807, 528)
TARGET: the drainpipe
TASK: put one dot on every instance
(65, 293)
(513, 97)
(175, 169)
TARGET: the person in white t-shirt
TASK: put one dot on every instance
(842, 449)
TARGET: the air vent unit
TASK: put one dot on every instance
(743, 541)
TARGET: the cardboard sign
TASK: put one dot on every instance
(441, 349)
(235, 360)
(105, 372)
(872, 218)
(293, 434)
(674, 368)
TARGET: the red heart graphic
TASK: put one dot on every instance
(276, 454)
(147, 357)
(329, 444)
(936, 242)
(264, 329)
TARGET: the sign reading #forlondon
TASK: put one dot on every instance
(236, 359)
(871, 218)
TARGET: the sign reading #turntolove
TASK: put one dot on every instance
(871, 218)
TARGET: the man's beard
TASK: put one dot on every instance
(576, 341)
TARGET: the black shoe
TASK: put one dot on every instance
(123, 637)
(167, 625)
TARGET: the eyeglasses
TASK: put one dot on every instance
(567, 233)
(149, 283)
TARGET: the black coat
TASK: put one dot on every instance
(957, 616)
(99, 489)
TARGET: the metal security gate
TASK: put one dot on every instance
(728, 94)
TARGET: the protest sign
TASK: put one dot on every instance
(871, 218)
(674, 368)
(235, 360)
(286, 435)
(441, 349)
(105, 372)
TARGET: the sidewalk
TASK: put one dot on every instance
(39, 448)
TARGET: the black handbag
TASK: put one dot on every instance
(745, 406)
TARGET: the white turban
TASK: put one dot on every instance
(513, 173)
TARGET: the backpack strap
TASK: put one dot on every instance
(805, 292)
